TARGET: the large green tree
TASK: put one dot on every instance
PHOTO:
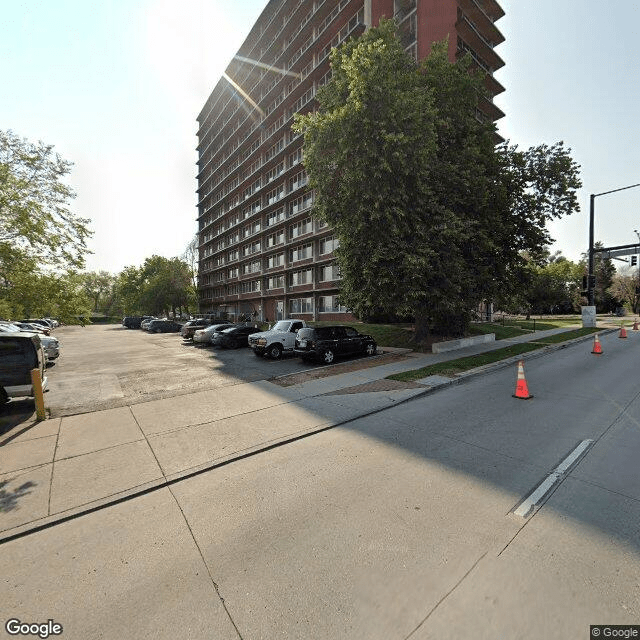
(42, 243)
(158, 286)
(604, 270)
(554, 287)
(432, 217)
(98, 286)
(34, 204)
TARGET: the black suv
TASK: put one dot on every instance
(164, 326)
(327, 343)
(236, 337)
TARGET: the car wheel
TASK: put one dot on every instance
(4, 398)
(370, 349)
(234, 344)
(275, 351)
(327, 356)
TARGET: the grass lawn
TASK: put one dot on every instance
(471, 362)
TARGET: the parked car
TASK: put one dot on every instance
(39, 321)
(20, 352)
(132, 322)
(205, 336)
(280, 338)
(50, 345)
(235, 337)
(164, 326)
(31, 326)
(144, 325)
(326, 343)
(192, 326)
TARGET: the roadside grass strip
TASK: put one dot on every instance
(454, 367)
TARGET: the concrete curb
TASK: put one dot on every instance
(47, 522)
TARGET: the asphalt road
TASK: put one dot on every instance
(394, 526)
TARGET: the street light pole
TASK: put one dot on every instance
(590, 289)
(591, 275)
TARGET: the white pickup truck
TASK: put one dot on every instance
(279, 339)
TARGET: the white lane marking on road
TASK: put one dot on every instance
(555, 476)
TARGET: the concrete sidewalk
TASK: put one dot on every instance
(56, 469)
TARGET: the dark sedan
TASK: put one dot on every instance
(326, 343)
(236, 337)
(164, 326)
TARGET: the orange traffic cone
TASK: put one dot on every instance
(522, 390)
(597, 347)
(635, 326)
(623, 332)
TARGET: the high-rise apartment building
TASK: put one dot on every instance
(261, 250)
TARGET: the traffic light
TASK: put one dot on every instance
(634, 261)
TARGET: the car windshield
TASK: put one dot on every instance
(229, 330)
(9, 327)
(282, 325)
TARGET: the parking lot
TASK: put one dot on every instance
(109, 366)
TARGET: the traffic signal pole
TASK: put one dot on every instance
(590, 276)
(588, 313)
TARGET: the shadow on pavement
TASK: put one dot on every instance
(15, 413)
(9, 499)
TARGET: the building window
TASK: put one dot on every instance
(250, 249)
(275, 217)
(302, 203)
(296, 157)
(301, 252)
(275, 194)
(274, 173)
(300, 228)
(275, 260)
(301, 277)
(301, 305)
(233, 273)
(233, 255)
(329, 273)
(328, 245)
(251, 267)
(330, 304)
(250, 286)
(298, 181)
(275, 238)
(275, 282)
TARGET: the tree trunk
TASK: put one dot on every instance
(422, 325)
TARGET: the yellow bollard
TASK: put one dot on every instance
(38, 395)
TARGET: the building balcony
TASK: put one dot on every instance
(475, 41)
(483, 22)
(492, 8)
(489, 109)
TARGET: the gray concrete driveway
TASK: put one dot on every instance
(102, 367)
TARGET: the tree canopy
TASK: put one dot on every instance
(42, 243)
(432, 217)
(34, 204)
(157, 286)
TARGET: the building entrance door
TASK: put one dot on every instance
(280, 310)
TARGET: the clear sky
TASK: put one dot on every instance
(116, 86)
